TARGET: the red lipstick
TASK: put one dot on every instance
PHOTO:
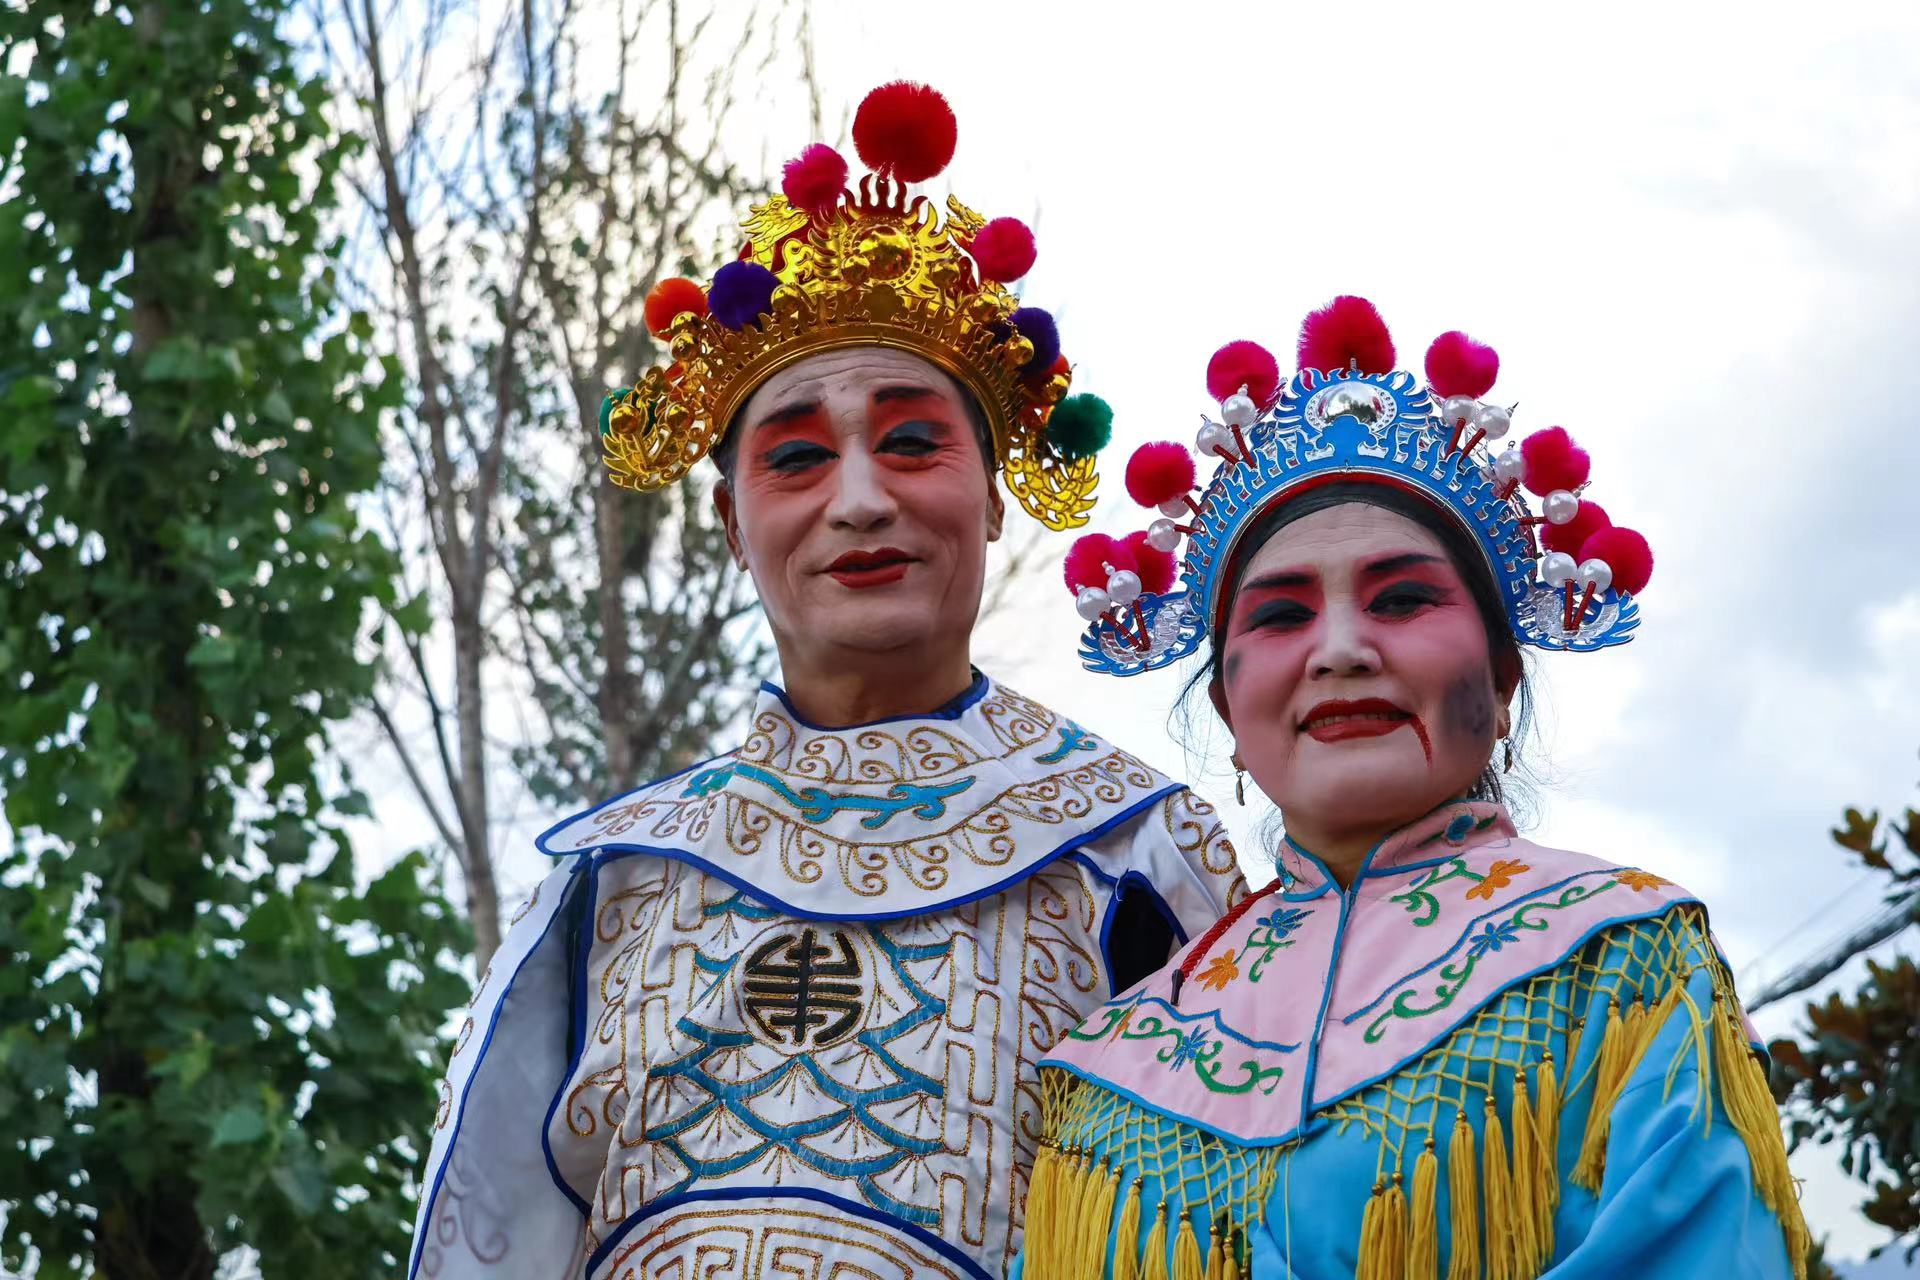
(1340, 721)
(861, 569)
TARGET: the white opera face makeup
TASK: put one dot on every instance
(1356, 673)
(861, 505)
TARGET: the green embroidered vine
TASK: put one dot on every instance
(1421, 903)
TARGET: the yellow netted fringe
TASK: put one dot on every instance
(1106, 1161)
(1749, 1104)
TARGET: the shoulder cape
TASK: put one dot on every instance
(882, 820)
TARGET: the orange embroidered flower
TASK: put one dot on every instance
(1220, 970)
(1498, 876)
(1638, 880)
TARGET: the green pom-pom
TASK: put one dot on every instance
(1080, 426)
(606, 409)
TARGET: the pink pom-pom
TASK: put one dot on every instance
(905, 131)
(1459, 366)
(814, 179)
(1157, 568)
(1088, 558)
(1626, 553)
(1003, 250)
(1345, 333)
(1589, 518)
(1160, 472)
(1243, 364)
(1554, 461)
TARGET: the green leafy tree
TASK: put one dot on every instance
(209, 1037)
(1852, 1077)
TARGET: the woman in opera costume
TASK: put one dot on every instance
(1430, 1047)
(781, 1014)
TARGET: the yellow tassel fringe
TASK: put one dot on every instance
(1749, 1104)
(1463, 1186)
(1186, 1253)
(1423, 1241)
(1126, 1263)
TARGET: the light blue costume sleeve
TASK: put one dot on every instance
(1678, 1198)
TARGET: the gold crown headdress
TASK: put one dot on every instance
(826, 266)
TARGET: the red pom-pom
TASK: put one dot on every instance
(1459, 366)
(1059, 366)
(1589, 518)
(1626, 553)
(1243, 364)
(668, 299)
(1554, 461)
(1088, 558)
(1347, 332)
(814, 179)
(1003, 250)
(1159, 472)
(1157, 568)
(905, 131)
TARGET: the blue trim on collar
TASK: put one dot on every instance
(473, 1077)
(1131, 880)
(1326, 1000)
(918, 1234)
(583, 947)
(540, 841)
(606, 853)
(952, 709)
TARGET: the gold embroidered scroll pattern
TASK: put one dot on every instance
(771, 1242)
(1196, 832)
(984, 837)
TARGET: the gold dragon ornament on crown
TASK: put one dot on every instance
(827, 266)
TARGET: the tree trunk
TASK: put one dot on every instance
(483, 895)
(151, 1230)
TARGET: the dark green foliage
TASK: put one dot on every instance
(1853, 1075)
(208, 1038)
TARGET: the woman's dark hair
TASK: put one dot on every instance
(727, 452)
(1468, 560)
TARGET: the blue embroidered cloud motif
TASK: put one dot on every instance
(1496, 935)
(1462, 826)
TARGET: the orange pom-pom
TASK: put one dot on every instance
(669, 299)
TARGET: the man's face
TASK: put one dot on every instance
(860, 504)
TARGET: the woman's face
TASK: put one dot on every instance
(1356, 676)
(860, 504)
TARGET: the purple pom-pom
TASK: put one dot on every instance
(1036, 326)
(742, 292)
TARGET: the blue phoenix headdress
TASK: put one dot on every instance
(1566, 577)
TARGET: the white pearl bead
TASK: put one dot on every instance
(1091, 603)
(1556, 567)
(1175, 508)
(1597, 574)
(1124, 587)
(1493, 420)
(1212, 438)
(1239, 410)
(1511, 465)
(1457, 408)
(1560, 507)
(1163, 535)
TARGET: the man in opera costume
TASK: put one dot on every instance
(780, 1015)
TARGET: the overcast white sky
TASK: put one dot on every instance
(1691, 233)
